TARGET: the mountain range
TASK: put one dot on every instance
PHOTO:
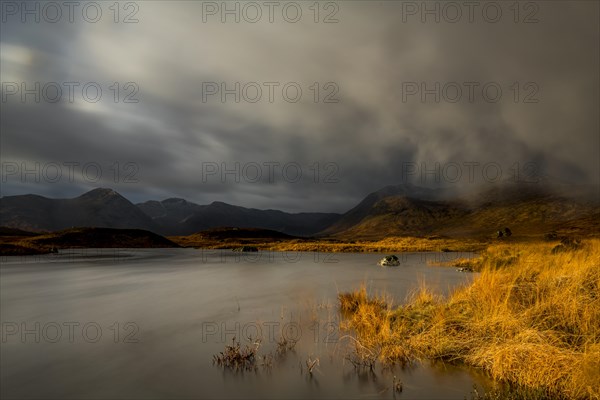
(106, 208)
(179, 217)
(396, 210)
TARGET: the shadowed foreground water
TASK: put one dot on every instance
(146, 323)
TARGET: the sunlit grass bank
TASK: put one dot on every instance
(388, 245)
(530, 319)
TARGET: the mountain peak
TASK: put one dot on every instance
(220, 204)
(100, 192)
(174, 200)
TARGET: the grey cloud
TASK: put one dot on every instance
(370, 134)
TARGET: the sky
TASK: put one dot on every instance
(298, 106)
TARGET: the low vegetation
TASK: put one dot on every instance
(238, 358)
(531, 320)
(388, 245)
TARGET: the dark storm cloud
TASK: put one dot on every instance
(357, 145)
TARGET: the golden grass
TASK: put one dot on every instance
(531, 318)
(388, 245)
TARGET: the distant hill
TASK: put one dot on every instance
(82, 238)
(5, 231)
(525, 208)
(230, 237)
(102, 238)
(180, 217)
(97, 208)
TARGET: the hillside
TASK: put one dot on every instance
(526, 209)
(371, 205)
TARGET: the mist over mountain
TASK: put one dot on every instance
(373, 129)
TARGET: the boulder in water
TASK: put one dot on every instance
(389, 261)
(246, 249)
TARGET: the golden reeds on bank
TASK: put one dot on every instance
(391, 244)
(531, 318)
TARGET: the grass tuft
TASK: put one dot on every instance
(238, 358)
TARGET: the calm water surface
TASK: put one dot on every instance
(146, 324)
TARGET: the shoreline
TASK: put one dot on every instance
(114, 238)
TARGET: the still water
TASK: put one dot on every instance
(106, 323)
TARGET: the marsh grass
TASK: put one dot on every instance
(311, 364)
(238, 358)
(284, 345)
(530, 319)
